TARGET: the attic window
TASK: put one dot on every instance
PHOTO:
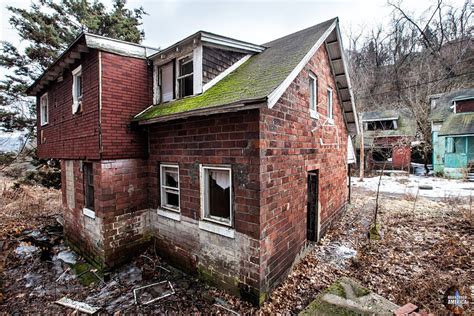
(76, 89)
(185, 77)
(381, 125)
(313, 96)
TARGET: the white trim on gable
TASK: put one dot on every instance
(278, 92)
(346, 70)
(223, 74)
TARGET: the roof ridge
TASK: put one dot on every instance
(330, 21)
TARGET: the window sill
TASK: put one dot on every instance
(88, 212)
(176, 216)
(313, 114)
(217, 229)
(330, 121)
(44, 124)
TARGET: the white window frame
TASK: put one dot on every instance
(204, 211)
(178, 77)
(330, 107)
(44, 110)
(164, 188)
(77, 100)
(313, 96)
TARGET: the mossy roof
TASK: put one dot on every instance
(442, 109)
(458, 124)
(253, 80)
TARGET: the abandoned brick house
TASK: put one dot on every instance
(230, 156)
(388, 138)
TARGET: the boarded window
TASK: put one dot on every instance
(88, 185)
(185, 77)
(169, 183)
(217, 186)
(44, 109)
(167, 90)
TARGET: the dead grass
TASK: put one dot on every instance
(25, 207)
(423, 252)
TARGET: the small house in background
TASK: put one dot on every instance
(388, 136)
(452, 124)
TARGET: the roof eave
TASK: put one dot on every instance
(225, 108)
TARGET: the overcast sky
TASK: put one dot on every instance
(253, 21)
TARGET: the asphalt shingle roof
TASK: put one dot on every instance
(458, 124)
(253, 80)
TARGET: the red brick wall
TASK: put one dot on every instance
(70, 135)
(120, 191)
(289, 150)
(230, 139)
(126, 90)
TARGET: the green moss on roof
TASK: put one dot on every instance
(458, 124)
(255, 79)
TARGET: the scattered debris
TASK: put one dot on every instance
(153, 292)
(78, 306)
(67, 257)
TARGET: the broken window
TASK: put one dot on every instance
(88, 185)
(217, 185)
(381, 125)
(76, 89)
(185, 77)
(330, 103)
(313, 95)
(44, 108)
(169, 182)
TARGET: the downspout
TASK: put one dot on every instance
(100, 104)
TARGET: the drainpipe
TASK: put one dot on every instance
(100, 104)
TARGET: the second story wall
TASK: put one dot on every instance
(126, 90)
(68, 135)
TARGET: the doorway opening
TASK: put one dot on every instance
(313, 221)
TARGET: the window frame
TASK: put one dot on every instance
(313, 95)
(204, 198)
(45, 111)
(77, 100)
(163, 188)
(178, 77)
(330, 107)
(87, 184)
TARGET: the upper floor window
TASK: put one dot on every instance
(185, 76)
(169, 185)
(76, 89)
(44, 108)
(330, 108)
(313, 95)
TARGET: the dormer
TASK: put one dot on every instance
(193, 65)
(380, 120)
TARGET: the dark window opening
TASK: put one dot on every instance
(88, 185)
(381, 154)
(381, 125)
(185, 77)
(217, 191)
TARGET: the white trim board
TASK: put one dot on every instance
(226, 72)
(278, 92)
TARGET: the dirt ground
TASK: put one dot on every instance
(426, 246)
